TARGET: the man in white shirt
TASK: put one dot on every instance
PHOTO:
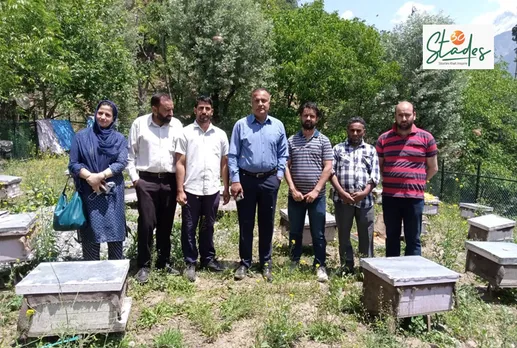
(201, 161)
(151, 166)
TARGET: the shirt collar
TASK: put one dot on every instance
(315, 135)
(362, 144)
(210, 127)
(414, 128)
(252, 119)
(151, 122)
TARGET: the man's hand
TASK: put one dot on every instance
(297, 195)
(311, 196)
(359, 196)
(345, 197)
(226, 196)
(181, 197)
(235, 189)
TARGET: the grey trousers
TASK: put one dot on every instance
(364, 219)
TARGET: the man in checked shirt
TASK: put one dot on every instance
(356, 173)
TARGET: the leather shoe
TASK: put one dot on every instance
(142, 275)
(267, 274)
(190, 272)
(214, 266)
(240, 273)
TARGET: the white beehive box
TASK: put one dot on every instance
(491, 228)
(330, 227)
(407, 286)
(469, 210)
(74, 298)
(9, 186)
(495, 262)
(15, 232)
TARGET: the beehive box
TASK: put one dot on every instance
(491, 228)
(407, 286)
(9, 186)
(15, 232)
(469, 210)
(330, 227)
(495, 262)
(431, 207)
(74, 298)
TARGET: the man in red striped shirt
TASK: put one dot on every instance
(407, 159)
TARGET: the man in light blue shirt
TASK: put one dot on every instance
(257, 158)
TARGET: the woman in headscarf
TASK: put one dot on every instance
(97, 158)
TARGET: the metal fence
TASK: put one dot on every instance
(457, 187)
(24, 136)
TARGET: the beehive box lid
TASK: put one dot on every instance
(491, 222)
(74, 277)
(409, 270)
(329, 218)
(9, 180)
(475, 206)
(16, 224)
(501, 253)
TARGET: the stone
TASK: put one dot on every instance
(330, 227)
(407, 286)
(6, 149)
(491, 228)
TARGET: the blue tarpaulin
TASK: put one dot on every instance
(64, 133)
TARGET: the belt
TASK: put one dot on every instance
(258, 175)
(155, 175)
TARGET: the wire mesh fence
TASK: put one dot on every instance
(457, 187)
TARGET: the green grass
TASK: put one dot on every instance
(294, 310)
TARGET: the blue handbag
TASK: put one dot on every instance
(69, 215)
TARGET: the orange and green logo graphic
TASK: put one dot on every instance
(440, 48)
(457, 37)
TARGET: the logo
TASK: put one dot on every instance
(458, 47)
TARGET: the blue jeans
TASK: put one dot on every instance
(396, 210)
(296, 212)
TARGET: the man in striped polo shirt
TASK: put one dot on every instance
(308, 169)
(407, 158)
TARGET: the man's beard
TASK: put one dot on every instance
(163, 119)
(308, 125)
(406, 126)
(355, 141)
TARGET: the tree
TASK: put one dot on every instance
(217, 48)
(65, 56)
(514, 38)
(489, 117)
(337, 63)
(436, 94)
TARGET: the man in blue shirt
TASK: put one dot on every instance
(257, 158)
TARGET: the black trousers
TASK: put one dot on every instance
(197, 207)
(156, 208)
(261, 193)
(92, 250)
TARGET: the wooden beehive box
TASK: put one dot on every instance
(469, 210)
(491, 228)
(74, 298)
(15, 232)
(495, 262)
(330, 227)
(431, 207)
(407, 286)
(9, 186)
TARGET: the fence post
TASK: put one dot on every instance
(478, 179)
(442, 181)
